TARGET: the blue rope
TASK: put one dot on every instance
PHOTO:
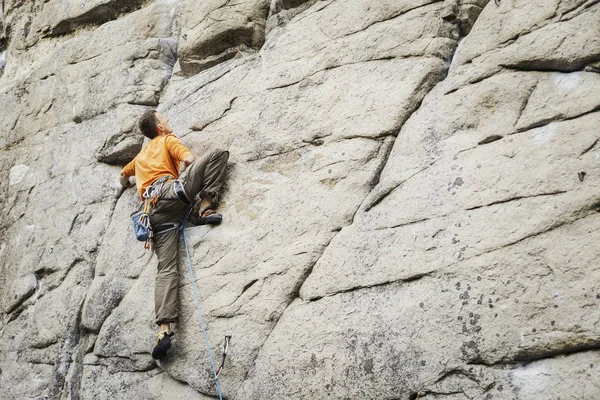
(193, 280)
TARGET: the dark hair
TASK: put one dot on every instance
(148, 124)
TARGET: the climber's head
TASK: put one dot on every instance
(153, 124)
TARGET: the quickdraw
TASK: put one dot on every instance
(225, 348)
(145, 220)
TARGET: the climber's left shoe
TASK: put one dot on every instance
(163, 344)
(208, 216)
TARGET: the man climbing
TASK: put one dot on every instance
(157, 175)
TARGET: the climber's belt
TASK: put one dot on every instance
(180, 192)
(163, 228)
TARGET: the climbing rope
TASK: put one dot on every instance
(193, 280)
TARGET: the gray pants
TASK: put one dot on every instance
(205, 176)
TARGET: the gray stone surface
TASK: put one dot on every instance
(98, 383)
(216, 30)
(411, 209)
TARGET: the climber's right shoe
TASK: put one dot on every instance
(163, 344)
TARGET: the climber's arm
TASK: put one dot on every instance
(187, 161)
(127, 172)
(127, 181)
(179, 152)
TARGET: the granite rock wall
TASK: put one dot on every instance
(410, 210)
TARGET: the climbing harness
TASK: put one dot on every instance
(180, 192)
(195, 289)
(166, 227)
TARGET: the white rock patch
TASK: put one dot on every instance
(17, 173)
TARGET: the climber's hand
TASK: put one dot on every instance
(127, 181)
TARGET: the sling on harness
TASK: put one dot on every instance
(144, 232)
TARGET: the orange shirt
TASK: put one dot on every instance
(158, 158)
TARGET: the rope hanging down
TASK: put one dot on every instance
(193, 280)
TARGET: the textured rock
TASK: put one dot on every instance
(98, 383)
(216, 30)
(57, 18)
(71, 107)
(123, 62)
(411, 209)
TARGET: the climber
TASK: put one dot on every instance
(167, 168)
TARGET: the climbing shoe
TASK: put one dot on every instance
(163, 344)
(208, 216)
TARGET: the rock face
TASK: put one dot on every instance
(411, 210)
